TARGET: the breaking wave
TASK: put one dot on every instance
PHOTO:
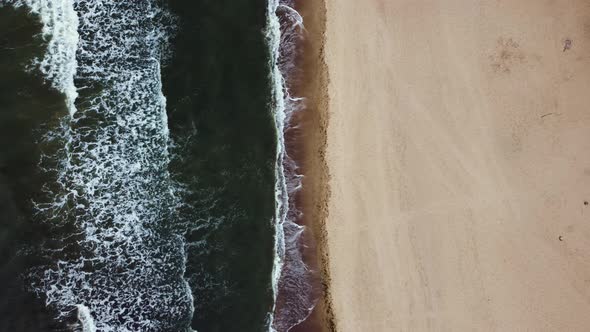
(116, 257)
(60, 23)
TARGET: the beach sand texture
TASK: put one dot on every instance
(458, 148)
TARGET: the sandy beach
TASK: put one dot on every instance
(458, 140)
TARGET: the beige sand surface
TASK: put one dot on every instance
(459, 153)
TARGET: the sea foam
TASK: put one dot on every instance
(85, 319)
(116, 256)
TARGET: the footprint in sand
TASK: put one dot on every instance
(506, 55)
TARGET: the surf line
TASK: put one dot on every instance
(273, 37)
(291, 278)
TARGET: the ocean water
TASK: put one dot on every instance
(144, 182)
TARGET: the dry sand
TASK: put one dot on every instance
(458, 148)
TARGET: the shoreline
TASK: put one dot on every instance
(301, 65)
(307, 147)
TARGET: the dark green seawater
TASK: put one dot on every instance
(218, 94)
(223, 152)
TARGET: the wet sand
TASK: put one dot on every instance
(307, 147)
(458, 156)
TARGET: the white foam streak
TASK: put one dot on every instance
(85, 319)
(60, 29)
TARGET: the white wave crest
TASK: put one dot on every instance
(60, 30)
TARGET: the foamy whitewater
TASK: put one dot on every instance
(117, 247)
(292, 286)
(121, 265)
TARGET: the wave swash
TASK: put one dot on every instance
(292, 278)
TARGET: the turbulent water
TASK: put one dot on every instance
(159, 215)
(122, 262)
